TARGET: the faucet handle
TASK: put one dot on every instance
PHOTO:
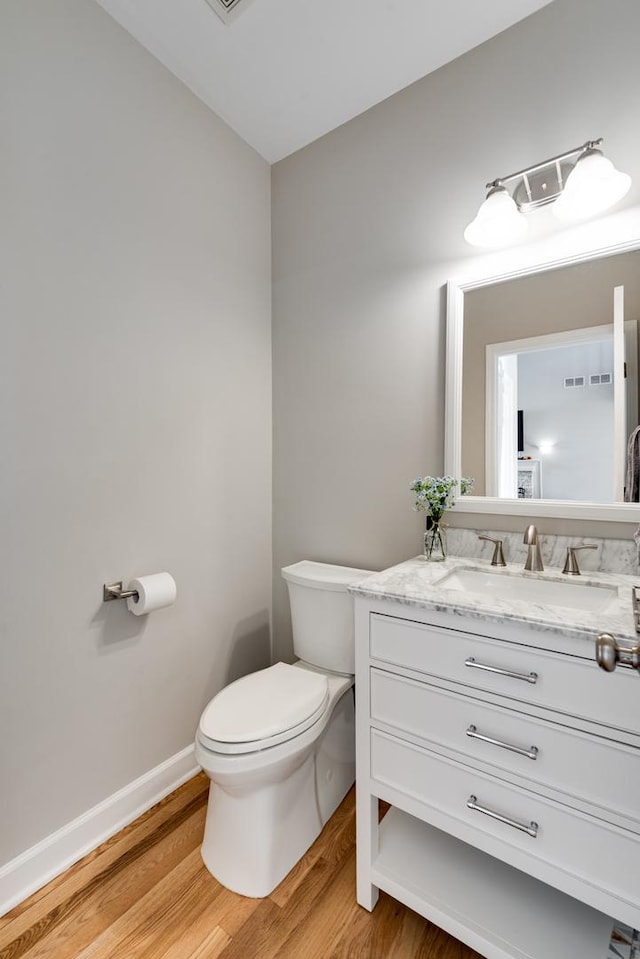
(498, 556)
(571, 567)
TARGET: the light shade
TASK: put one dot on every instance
(498, 221)
(592, 187)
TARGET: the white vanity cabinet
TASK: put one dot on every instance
(512, 766)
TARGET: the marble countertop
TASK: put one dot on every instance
(417, 582)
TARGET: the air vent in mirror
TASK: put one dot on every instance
(600, 379)
(573, 382)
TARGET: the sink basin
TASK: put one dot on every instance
(547, 592)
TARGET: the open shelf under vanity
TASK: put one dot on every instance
(497, 910)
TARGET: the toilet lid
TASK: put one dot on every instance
(265, 705)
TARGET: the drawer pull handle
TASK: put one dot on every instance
(531, 829)
(531, 753)
(527, 677)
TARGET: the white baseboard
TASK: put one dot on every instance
(35, 867)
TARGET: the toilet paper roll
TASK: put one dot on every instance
(154, 592)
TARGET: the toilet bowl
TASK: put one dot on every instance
(279, 745)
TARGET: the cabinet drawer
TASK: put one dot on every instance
(568, 684)
(580, 846)
(594, 770)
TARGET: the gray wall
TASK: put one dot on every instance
(367, 227)
(135, 406)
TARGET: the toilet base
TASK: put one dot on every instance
(260, 824)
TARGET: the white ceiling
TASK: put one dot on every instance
(285, 72)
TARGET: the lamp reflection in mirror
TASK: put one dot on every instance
(580, 183)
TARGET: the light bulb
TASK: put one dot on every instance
(593, 186)
(497, 222)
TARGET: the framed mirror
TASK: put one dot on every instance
(542, 386)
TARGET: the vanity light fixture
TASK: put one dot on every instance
(580, 183)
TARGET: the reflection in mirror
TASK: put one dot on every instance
(547, 411)
(569, 412)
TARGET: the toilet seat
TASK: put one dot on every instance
(263, 709)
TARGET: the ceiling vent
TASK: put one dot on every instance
(227, 10)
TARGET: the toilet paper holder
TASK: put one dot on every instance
(111, 591)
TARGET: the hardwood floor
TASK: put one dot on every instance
(145, 894)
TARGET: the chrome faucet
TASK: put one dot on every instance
(498, 556)
(534, 559)
(571, 567)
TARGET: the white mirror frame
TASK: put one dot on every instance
(613, 512)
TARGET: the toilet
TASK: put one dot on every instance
(279, 744)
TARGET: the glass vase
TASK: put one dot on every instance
(435, 541)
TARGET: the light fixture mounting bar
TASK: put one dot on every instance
(542, 183)
(577, 151)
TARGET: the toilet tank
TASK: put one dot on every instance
(322, 613)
